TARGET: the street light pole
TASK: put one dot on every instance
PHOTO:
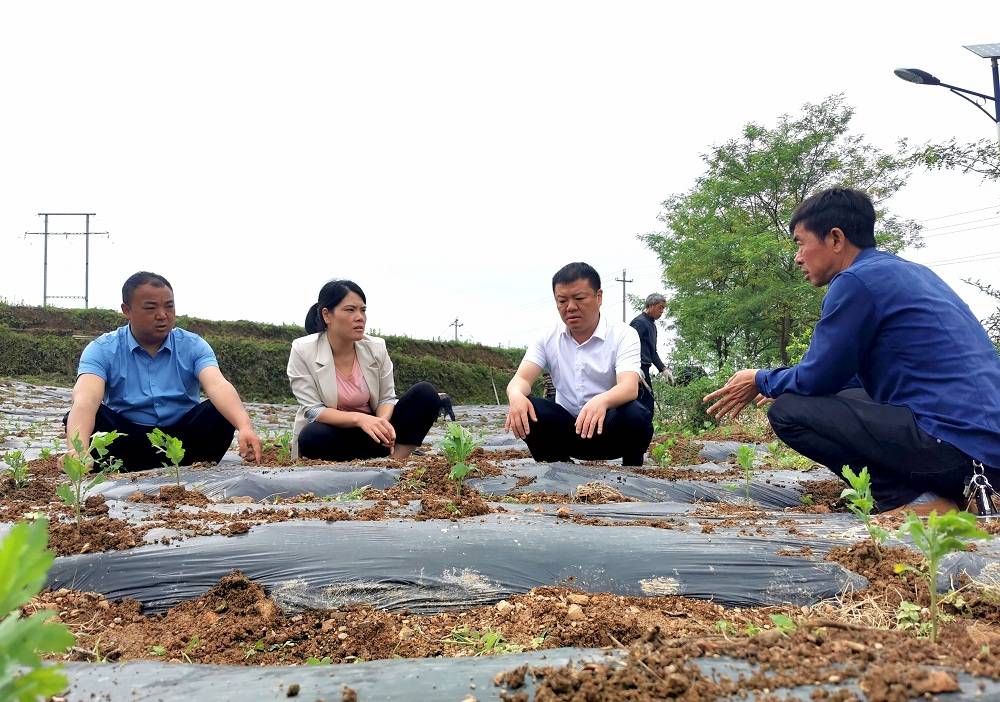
(990, 51)
(996, 93)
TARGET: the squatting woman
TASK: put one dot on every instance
(343, 382)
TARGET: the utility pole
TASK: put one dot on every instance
(623, 280)
(456, 324)
(45, 234)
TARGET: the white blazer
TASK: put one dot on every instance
(313, 376)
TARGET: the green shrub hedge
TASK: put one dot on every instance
(257, 367)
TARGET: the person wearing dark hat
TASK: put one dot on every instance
(148, 374)
(645, 325)
(899, 376)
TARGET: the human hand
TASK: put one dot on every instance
(737, 393)
(379, 429)
(519, 411)
(248, 444)
(761, 400)
(591, 417)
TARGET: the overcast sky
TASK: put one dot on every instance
(447, 156)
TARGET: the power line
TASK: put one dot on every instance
(987, 256)
(961, 224)
(959, 231)
(955, 214)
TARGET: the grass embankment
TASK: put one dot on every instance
(45, 344)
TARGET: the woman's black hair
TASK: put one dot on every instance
(330, 295)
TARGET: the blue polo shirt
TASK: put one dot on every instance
(912, 342)
(152, 390)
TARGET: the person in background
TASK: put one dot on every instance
(148, 374)
(644, 324)
(342, 379)
(594, 364)
(899, 376)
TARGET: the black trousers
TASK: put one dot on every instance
(205, 433)
(851, 429)
(412, 418)
(627, 432)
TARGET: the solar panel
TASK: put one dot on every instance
(985, 50)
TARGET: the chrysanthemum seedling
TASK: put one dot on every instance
(77, 466)
(457, 445)
(17, 467)
(745, 456)
(939, 537)
(24, 566)
(861, 503)
(169, 446)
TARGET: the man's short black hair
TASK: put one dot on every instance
(142, 278)
(849, 210)
(572, 272)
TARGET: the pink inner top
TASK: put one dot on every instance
(352, 391)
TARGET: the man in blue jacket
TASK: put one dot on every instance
(900, 376)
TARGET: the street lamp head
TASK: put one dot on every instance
(915, 75)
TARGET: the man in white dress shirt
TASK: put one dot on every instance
(595, 366)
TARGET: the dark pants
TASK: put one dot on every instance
(205, 433)
(850, 428)
(412, 418)
(627, 433)
(646, 394)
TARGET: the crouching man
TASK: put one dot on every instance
(147, 374)
(899, 376)
(595, 367)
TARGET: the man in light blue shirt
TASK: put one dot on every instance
(148, 374)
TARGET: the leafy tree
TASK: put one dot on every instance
(728, 260)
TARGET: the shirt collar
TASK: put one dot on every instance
(600, 332)
(133, 344)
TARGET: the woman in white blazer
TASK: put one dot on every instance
(343, 382)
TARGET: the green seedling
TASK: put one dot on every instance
(282, 441)
(78, 467)
(170, 447)
(785, 458)
(725, 628)
(661, 452)
(325, 660)
(457, 445)
(158, 650)
(807, 499)
(783, 624)
(486, 642)
(908, 619)
(939, 537)
(752, 629)
(24, 567)
(861, 503)
(191, 646)
(745, 456)
(17, 467)
(45, 453)
(357, 493)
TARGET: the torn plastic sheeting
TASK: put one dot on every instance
(780, 489)
(432, 566)
(399, 680)
(258, 483)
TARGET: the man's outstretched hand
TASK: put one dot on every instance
(739, 391)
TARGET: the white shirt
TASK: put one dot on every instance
(580, 371)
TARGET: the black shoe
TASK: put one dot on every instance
(446, 409)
